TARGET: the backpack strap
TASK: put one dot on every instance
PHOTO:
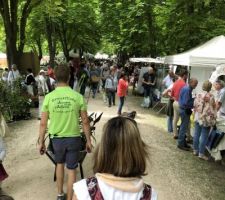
(93, 189)
(95, 192)
(147, 192)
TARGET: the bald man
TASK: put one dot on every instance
(186, 103)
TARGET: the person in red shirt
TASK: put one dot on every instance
(175, 93)
(51, 72)
(122, 90)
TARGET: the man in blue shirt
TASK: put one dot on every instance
(186, 103)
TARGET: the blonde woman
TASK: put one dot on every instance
(119, 164)
(205, 118)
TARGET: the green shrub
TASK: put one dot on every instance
(14, 102)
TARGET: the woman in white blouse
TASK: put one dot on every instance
(119, 164)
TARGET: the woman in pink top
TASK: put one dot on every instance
(122, 91)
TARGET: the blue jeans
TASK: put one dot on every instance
(121, 105)
(111, 97)
(170, 124)
(148, 92)
(94, 87)
(200, 138)
(185, 120)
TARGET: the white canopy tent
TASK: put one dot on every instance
(146, 60)
(203, 59)
(140, 89)
(101, 56)
(209, 54)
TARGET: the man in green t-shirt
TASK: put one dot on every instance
(64, 107)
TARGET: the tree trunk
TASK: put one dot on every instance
(62, 32)
(122, 58)
(9, 16)
(81, 53)
(50, 32)
(39, 45)
(11, 49)
(23, 22)
(151, 28)
(9, 12)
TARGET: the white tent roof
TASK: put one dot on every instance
(210, 54)
(146, 60)
(101, 56)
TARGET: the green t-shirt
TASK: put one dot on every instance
(63, 106)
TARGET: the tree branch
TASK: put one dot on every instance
(25, 13)
(29, 5)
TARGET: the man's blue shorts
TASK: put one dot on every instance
(67, 150)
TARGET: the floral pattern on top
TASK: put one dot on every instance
(205, 109)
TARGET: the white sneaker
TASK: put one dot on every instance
(195, 153)
(203, 157)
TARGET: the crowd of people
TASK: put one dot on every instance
(61, 94)
(104, 77)
(186, 109)
(121, 140)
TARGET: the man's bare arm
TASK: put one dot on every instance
(42, 131)
(86, 129)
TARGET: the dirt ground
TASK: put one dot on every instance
(174, 174)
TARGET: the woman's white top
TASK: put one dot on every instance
(109, 192)
(13, 75)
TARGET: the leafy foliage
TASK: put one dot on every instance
(14, 102)
(159, 27)
(128, 28)
(73, 26)
(189, 23)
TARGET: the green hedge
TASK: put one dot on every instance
(14, 102)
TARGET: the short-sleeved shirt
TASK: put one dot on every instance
(168, 81)
(63, 106)
(221, 99)
(148, 78)
(177, 86)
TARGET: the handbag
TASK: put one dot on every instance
(219, 137)
(95, 79)
(214, 139)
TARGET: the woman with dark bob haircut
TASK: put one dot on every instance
(120, 161)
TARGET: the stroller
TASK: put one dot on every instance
(94, 118)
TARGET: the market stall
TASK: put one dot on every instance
(201, 60)
(144, 62)
(206, 61)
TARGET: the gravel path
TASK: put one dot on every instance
(174, 174)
